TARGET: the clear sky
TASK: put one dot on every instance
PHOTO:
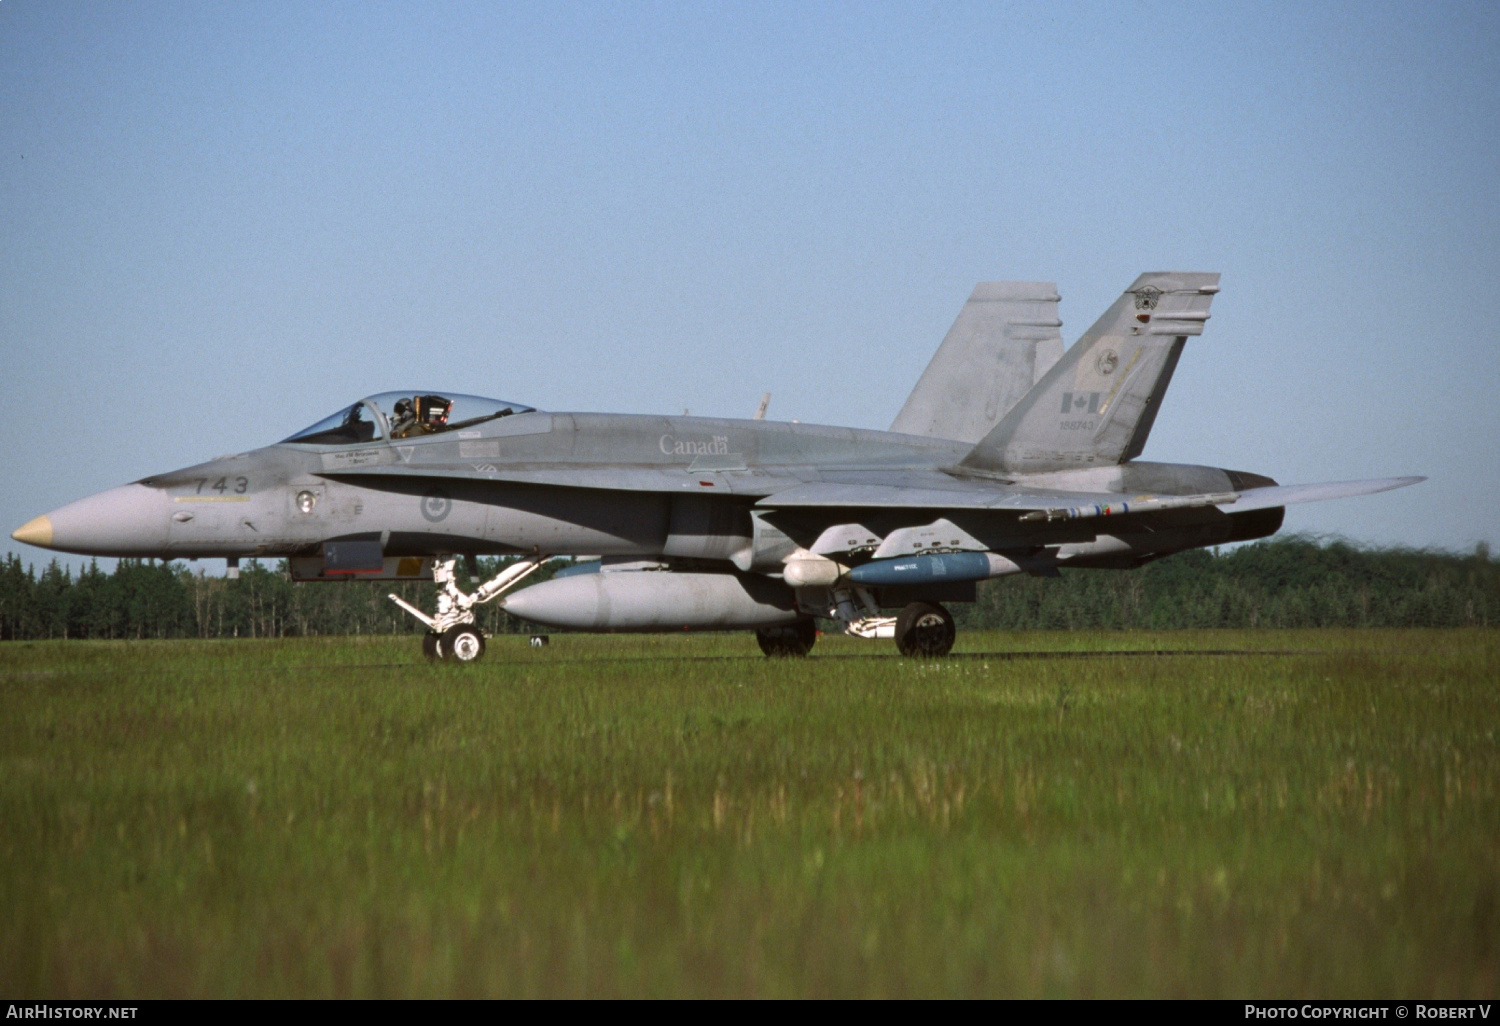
(221, 221)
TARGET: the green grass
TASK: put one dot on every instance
(678, 816)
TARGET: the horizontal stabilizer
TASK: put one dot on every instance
(1291, 495)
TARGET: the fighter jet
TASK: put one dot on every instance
(1010, 456)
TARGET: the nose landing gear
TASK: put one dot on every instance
(452, 633)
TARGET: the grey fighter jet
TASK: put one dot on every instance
(1011, 456)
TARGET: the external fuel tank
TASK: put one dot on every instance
(655, 601)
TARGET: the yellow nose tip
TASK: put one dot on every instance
(34, 532)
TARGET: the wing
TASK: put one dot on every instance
(887, 521)
(1059, 505)
(812, 488)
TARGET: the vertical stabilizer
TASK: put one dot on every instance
(1004, 340)
(1097, 404)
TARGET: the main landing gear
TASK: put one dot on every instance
(452, 633)
(783, 642)
(923, 630)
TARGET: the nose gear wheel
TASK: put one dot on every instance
(464, 644)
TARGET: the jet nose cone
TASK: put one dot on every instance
(126, 521)
(36, 531)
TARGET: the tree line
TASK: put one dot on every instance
(151, 599)
(1287, 582)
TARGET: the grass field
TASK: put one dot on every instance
(1316, 816)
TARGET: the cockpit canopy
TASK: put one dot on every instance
(412, 414)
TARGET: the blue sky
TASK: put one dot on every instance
(220, 222)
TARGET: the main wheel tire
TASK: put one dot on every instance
(462, 644)
(432, 646)
(925, 630)
(792, 641)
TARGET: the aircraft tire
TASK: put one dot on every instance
(925, 630)
(462, 644)
(784, 642)
(432, 646)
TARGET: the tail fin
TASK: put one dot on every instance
(1097, 404)
(1004, 340)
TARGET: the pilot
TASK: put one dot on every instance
(403, 419)
(420, 415)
